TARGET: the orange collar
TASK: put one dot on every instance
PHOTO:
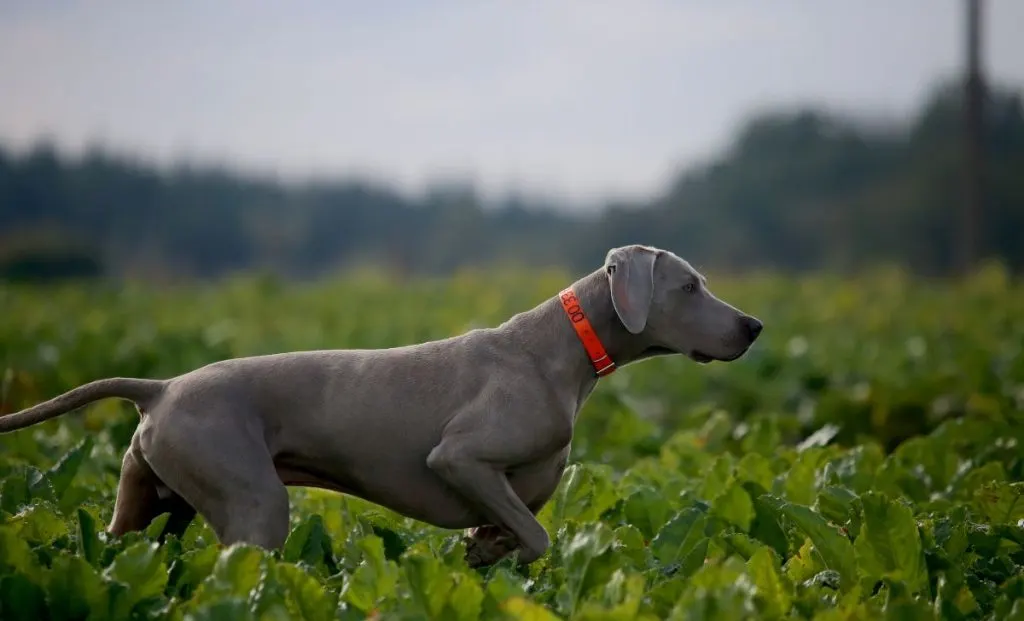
(603, 364)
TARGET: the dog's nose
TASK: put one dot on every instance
(752, 326)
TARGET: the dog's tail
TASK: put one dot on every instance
(140, 391)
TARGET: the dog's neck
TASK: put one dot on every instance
(549, 325)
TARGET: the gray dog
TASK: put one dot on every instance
(469, 432)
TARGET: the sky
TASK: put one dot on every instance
(572, 99)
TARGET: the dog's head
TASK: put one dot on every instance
(662, 297)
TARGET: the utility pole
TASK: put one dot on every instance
(971, 232)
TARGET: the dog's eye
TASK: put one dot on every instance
(689, 287)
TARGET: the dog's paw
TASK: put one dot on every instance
(486, 545)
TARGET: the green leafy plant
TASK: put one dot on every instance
(864, 460)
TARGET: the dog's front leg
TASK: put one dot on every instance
(478, 479)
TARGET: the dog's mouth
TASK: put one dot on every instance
(657, 350)
(701, 357)
(694, 354)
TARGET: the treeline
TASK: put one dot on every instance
(104, 213)
(796, 190)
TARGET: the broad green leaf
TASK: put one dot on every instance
(715, 478)
(15, 553)
(835, 549)
(270, 599)
(663, 596)
(647, 510)
(741, 544)
(952, 534)
(856, 468)
(856, 613)
(588, 559)
(895, 479)
(1000, 503)
(309, 542)
(933, 457)
(39, 486)
(374, 579)
(620, 599)
(235, 574)
(429, 582)
(156, 526)
(631, 545)
(190, 569)
(465, 599)
(438, 591)
(987, 541)
(522, 609)
(502, 584)
(734, 505)
(141, 568)
(584, 493)
(774, 592)
(716, 430)
(21, 599)
(684, 452)
(721, 590)
(840, 506)
(682, 542)
(197, 534)
(63, 472)
(303, 596)
(1016, 612)
(901, 604)
(1010, 601)
(757, 468)
(22, 486)
(225, 609)
(889, 545)
(805, 564)
(762, 438)
(765, 527)
(14, 492)
(75, 590)
(39, 523)
(965, 486)
(954, 598)
(88, 537)
(802, 479)
(394, 546)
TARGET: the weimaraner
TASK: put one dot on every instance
(468, 432)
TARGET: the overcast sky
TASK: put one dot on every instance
(582, 98)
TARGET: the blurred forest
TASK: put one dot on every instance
(797, 190)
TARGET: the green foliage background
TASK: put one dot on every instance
(862, 461)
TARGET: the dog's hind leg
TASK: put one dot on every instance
(141, 497)
(223, 470)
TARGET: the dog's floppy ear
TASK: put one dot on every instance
(631, 278)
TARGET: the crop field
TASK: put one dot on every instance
(862, 461)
